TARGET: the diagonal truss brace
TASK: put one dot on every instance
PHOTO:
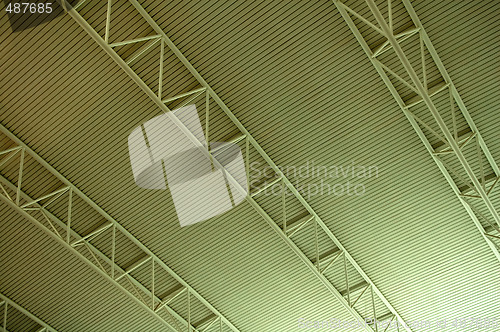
(316, 265)
(5, 303)
(451, 141)
(71, 240)
(96, 254)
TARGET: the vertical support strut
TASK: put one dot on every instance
(70, 207)
(346, 273)
(316, 245)
(153, 284)
(20, 177)
(113, 251)
(160, 72)
(283, 204)
(189, 310)
(4, 324)
(108, 22)
(207, 118)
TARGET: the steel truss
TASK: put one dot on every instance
(322, 261)
(400, 54)
(37, 210)
(5, 303)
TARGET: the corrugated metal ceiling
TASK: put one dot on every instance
(55, 285)
(294, 75)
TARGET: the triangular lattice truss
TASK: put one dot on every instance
(140, 44)
(14, 317)
(62, 211)
(396, 43)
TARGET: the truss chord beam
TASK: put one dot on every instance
(251, 141)
(55, 236)
(452, 141)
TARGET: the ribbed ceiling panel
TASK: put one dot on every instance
(294, 75)
(50, 282)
